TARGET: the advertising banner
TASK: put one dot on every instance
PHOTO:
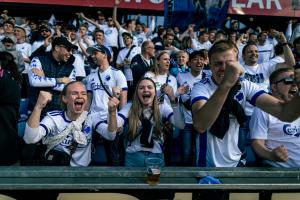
(284, 8)
(157, 5)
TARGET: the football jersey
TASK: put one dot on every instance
(225, 152)
(276, 133)
(111, 77)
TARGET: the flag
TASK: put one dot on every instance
(210, 13)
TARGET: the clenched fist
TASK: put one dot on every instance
(43, 99)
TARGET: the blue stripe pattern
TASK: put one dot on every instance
(255, 96)
(198, 98)
(45, 127)
(105, 121)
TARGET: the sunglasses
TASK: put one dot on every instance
(44, 30)
(286, 81)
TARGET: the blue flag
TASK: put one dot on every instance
(210, 13)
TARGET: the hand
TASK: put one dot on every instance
(48, 41)
(113, 104)
(43, 99)
(280, 154)
(281, 38)
(168, 90)
(127, 61)
(232, 73)
(183, 89)
(117, 2)
(116, 92)
(64, 80)
(38, 72)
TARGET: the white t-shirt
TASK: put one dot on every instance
(184, 78)
(225, 152)
(160, 80)
(266, 52)
(111, 36)
(121, 57)
(276, 133)
(57, 121)
(111, 77)
(259, 74)
(166, 114)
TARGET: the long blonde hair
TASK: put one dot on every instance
(136, 113)
(155, 67)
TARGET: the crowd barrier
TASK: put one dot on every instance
(125, 180)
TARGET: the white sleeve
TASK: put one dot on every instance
(102, 128)
(33, 135)
(252, 91)
(79, 65)
(60, 86)
(121, 80)
(172, 114)
(38, 81)
(259, 124)
(199, 92)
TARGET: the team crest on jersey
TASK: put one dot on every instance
(239, 96)
(107, 78)
(87, 129)
(291, 130)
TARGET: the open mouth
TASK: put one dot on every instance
(146, 96)
(293, 91)
(79, 104)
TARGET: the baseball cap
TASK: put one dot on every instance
(127, 34)
(100, 48)
(63, 41)
(22, 28)
(9, 38)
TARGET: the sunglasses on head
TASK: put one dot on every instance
(286, 81)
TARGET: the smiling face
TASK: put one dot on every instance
(75, 99)
(146, 93)
(284, 87)
(163, 63)
(250, 55)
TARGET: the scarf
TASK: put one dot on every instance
(73, 128)
(221, 125)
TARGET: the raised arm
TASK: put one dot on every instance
(89, 20)
(114, 15)
(206, 111)
(288, 54)
(32, 133)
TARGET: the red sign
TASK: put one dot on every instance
(285, 8)
(157, 5)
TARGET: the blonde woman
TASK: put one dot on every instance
(161, 76)
(145, 116)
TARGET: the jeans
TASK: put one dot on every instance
(137, 159)
(245, 144)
